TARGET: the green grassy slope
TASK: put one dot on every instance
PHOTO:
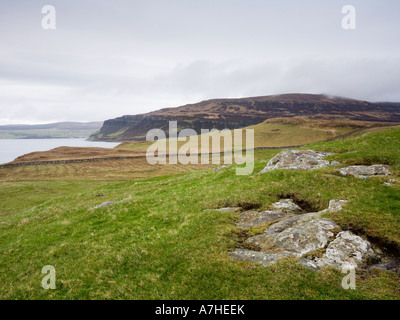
(161, 243)
(283, 132)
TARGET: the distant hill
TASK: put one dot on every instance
(239, 113)
(50, 130)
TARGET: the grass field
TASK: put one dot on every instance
(271, 133)
(160, 242)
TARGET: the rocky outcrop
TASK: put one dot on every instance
(220, 168)
(364, 172)
(36, 163)
(299, 160)
(316, 241)
(251, 219)
(108, 204)
(299, 239)
(284, 209)
(346, 250)
(289, 222)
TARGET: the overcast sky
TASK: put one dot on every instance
(110, 58)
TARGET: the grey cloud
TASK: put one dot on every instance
(107, 58)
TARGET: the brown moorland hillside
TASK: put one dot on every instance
(243, 112)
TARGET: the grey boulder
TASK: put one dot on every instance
(298, 160)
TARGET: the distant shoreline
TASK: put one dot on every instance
(14, 148)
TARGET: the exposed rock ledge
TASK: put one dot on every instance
(315, 241)
(309, 160)
(363, 172)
